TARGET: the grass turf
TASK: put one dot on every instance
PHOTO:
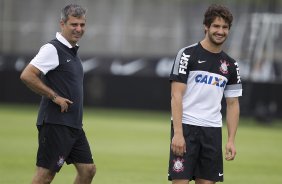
(132, 147)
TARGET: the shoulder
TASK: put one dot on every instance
(233, 65)
(188, 49)
(228, 58)
(230, 61)
(56, 43)
(48, 48)
(46, 59)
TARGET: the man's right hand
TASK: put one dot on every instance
(63, 103)
(178, 145)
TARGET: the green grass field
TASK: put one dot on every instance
(132, 147)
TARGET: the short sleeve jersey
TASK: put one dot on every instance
(208, 77)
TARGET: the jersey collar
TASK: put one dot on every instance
(63, 40)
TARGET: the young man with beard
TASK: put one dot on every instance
(61, 137)
(201, 74)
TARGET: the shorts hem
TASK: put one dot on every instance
(47, 167)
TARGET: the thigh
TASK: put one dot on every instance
(80, 152)
(182, 168)
(55, 143)
(210, 163)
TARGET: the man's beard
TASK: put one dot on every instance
(214, 41)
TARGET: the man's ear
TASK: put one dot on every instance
(62, 23)
(206, 29)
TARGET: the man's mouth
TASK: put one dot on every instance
(219, 36)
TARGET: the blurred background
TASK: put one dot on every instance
(129, 47)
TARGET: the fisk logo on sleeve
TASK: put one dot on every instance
(183, 63)
(238, 73)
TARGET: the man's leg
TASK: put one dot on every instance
(180, 181)
(43, 176)
(85, 173)
(202, 181)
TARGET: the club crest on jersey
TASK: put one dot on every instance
(224, 67)
(178, 165)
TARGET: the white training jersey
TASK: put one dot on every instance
(208, 76)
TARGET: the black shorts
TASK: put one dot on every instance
(203, 157)
(59, 144)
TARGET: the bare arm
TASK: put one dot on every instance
(178, 144)
(232, 118)
(31, 78)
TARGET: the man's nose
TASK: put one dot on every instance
(220, 30)
(79, 28)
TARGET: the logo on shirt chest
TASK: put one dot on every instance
(224, 67)
(211, 80)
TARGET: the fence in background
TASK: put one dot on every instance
(159, 28)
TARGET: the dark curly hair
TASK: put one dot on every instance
(215, 11)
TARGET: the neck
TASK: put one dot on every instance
(72, 44)
(211, 47)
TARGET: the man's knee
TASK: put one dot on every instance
(86, 171)
(43, 176)
(41, 180)
(92, 170)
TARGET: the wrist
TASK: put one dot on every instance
(54, 96)
(178, 132)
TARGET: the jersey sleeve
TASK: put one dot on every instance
(180, 68)
(46, 59)
(234, 85)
